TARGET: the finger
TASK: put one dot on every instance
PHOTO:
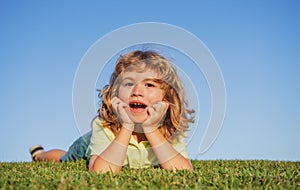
(160, 107)
(114, 99)
(165, 106)
(151, 111)
(114, 102)
(122, 104)
(157, 106)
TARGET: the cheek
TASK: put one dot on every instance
(157, 96)
(123, 94)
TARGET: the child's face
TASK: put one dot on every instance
(140, 91)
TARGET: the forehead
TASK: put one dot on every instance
(140, 75)
(144, 66)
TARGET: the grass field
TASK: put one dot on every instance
(218, 174)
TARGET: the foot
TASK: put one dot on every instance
(35, 150)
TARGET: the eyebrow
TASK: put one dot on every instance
(128, 78)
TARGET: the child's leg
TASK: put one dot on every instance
(75, 152)
(78, 149)
(38, 154)
(51, 155)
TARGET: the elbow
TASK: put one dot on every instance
(188, 165)
(99, 165)
(175, 166)
(104, 168)
(191, 169)
(92, 169)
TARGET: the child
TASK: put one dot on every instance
(141, 121)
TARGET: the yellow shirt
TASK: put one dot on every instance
(139, 155)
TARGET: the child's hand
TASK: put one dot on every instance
(156, 113)
(119, 108)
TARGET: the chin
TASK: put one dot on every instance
(138, 120)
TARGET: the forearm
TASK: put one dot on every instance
(112, 158)
(166, 154)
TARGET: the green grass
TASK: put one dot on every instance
(218, 174)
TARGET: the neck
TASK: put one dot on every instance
(139, 136)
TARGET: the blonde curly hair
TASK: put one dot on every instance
(178, 114)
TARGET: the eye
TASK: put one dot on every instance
(128, 84)
(150, 84)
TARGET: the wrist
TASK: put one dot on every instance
(150, 129)
(164, 151)
(128, 126)
(153, 133)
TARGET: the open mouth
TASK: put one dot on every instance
(137, 105)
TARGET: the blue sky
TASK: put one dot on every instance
(256, 45)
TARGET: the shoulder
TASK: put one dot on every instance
(178, 137)
(99, 130)
(97, 122)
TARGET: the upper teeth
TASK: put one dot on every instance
(137, 104)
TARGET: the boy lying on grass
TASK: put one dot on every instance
(141, 121)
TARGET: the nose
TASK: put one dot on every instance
(137, 90)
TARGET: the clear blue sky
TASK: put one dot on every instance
(256, 45)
